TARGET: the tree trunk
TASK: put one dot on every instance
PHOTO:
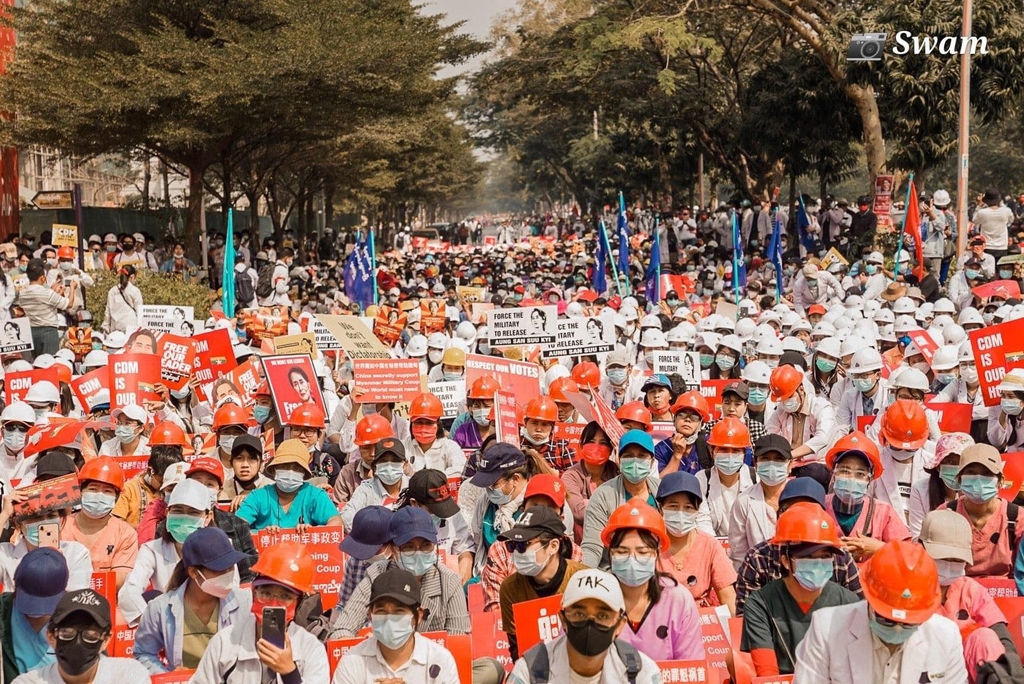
(166, 174)
(863, 99)
(328, 202)
(147, 176)
(255, 244)
(194, 214)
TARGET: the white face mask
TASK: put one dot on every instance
(14, 440)
(435, 356)
(950, 571)
(219, 587)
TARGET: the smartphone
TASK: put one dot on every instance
(49, 536)
(67, 282)
(273, 626)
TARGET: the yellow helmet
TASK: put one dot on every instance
(453, 356)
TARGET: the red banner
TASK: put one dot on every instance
(521, 378)
(133, 379)
(997, 350)
(537, 621)
(998, 587)
(88, 387)
(292, 383)
(177, 360)
(16, 385)
(1003, 289)
(105, 584)
(239, 383)
(214, 355)
(716, 645)
(924, 341)
(686, 672)
(383, 380)
(953, 417)
(506, 418)
(322, 546)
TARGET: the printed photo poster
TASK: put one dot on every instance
(88, 387)
(17, 384)
(883, 200)
(239, 383)
(432, 316)
(266, 322)
(388, 324)
(176, 320)
(177, 360)
(469, 295)
(292, 383)
(215, 355)
(19, 280)
(579, 336)
(15, 336)
(530, 325)
(478, 312)
(80, 342)
(684, 364)
(304, 343)
(133, 379)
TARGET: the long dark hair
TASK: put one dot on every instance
(125, 272)
(654, 587)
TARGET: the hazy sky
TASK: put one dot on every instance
(478, 15)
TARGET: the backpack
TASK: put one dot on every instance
(540, 668)
(265, 281)
(244, 290)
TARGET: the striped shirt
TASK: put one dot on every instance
(42, 306)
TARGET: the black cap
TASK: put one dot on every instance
(795, 359)
(247, 442)
(397, 584)
(82, 601)
(534, 521)
(429, 488)
(737, 387)
(803, 488)
(54, 464)
(492, 464)
(773, 442)
(389, 445)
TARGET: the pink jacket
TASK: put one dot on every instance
(885, 524)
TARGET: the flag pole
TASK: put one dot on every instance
(608, 251)
(373, 266)
(903, 227)
(735, 259)
(657, 242)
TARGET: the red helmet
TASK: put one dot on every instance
(307, 416)
(288, 563)
(66, 253)
(636, 412)
(560, 386)
(541, 408)
(636, 514)
(693, 401)
(168, 434)
(229, 415)
(484, 387)
(856, 442)
(730, 433)
(426, 405)
(587, 374)
(901, 582)
(371, 429)
(905, 425)
(103, 469)
(784, 381)
(262, 391)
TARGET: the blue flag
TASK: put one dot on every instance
(775, 252)
(739, 266)
(227, 281)
(600, 275)
(803, 222)
(623, 230)
(358, 275)
(652, 279)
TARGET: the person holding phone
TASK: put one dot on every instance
(41, 528)
(266, 643)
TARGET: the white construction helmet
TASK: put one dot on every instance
(910, 378)
(970, 316)
(790, 343)
(886, 333)
(724, 323)
(745, 328)
(574, 310)
(904, 324)
(866, 360)
(677, 334)
(417, 346)
(965, 354)
(944, 306)
(629, 313)
(945, 358)
(770, 346)
(42, 392)
(884, 316)
(853, 344)
(466, 332)
(732, 342)
(653, 338)
(18, 412)
(757, 372)
(650, 321)
(823, 330)
(43, 361)
(97, 358)
(829, 346)
(707, 339)
(904, 306)
(437, 340)
(954, 335)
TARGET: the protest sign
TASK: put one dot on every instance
(292, 383)
(998, 289)
(354, 337)
(923, 340)
(770, 679)
(451, 394)
(997, 349)
(469, 295)
(727, 310)
(833, 257)
(133, 379)
(142, 341)
(478, 312)
(337, 648)
(523, 326)
(322, 546)
(1013, 475)
(684, 364)
(712, 391)
(385, 380)
(88, 387)
(19, 280)
(176, 320)
(105, 584)
(460, 646)
(519, 377)
(64, 235)
(686, 672)
(579, 336)
(570, 432)
(489, 639)
(506, 419)
(17, 384)
(55, 494)
(325, 341)
(80, 342)
(953, 417)
(716, 642)
(304, 343)
(177, 360)
(16, 336)
(239, 383)
(432, 316)
(266, 322)
(882, 206)
(537, 621)
(214, 355)
(1012, 608)
(123, 643)
(388, 325)
(175, 677)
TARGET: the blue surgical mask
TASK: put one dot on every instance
(261, 413)
(893, 636)
(389, 473)
(392, 630)
(636, 470)
(288, 481)
(725, 362)
(1011, 406)
(31, 530)
(497, 497)
(1005, 274)
(972, 275)
(124, 433)
(863, 384)
(616, 376)
(181, 394)
(729, 464)
(418, 562)
(452, 377)
(772, 473)
(97, 505)
(849, 490)
(632, 571)
(979, 489)
(757, 396)
(825, 365)
(871, 269)
(950, 475)
(812, 573)
(945, 378)
(706, 360)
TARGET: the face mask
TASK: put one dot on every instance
(812, 573)
(771, 363)
(181, 526)
(258, 606)
(772, 473)
(950, 571)
(76, 657)
(1005, 274)
(497, 497)
(435, 356)
(680, 523)
(392, 630)
(485, 348)
(31, 530)
(633, 572)
(596, 454)
(673, 302)
(729, 464)
(589, 639)
(850, 491)
(949, 475)
(969, 374)
(66, 265)
(757, 396)
(972, 275)
(649, 358)
(226, 442)
(527, 563)
(812, 283)
(616, 376)
(979, 489)
(536, 441)
(864, 384)
(1011, 407)
(791, 405)
(218, 587)
(636, 470)
(125, 434)
(261, 413)
(452, 377)
(181, 394)
(480, 416)
(923, 367)
(871, 269)
(892, 635)
(725, 362)
(288, 481)
(945, 378)
(389, 473)
(41, 414)
(706, 360)
(97, 504)
(14, 440)
(418, 562)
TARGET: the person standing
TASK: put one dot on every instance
(43, 306)
(993, 221)
(124, 303)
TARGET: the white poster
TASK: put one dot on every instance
(683, 363)
(177, 320)
(523, 326)
(451, 394)
(16, 336)
(578, 336)
(325, 341)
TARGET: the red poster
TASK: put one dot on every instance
(1013, 610)
(716, 646)
(997, 350)
(953, 417)
(16, 385)
(773, 679)
(460, 646)
(489, 640)
(506, 418)
(712, 391)
(383, 380)
(389, 324)
(686, 671)
(923, 340)
(1001, 289)
(1013, 475)
(432, 316)
(570, 432)
(89, 386)
(322, 545)
(214, 355)
(537, 621)
(864, 422)
(105, 584)
(521, 378)
(132, 465)
(123, 643)
(175, 677)
(177, 360)
(266, 322)
(133, 379)
(292, 383)
(999, 587)
(336, 648)
(239, 383)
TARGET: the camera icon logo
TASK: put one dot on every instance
(866, 47)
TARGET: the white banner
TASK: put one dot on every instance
(578, 336)
(523, 326)
(451, 394)
(16, 336)
(176, 320)
(325, 341)
(683, 363)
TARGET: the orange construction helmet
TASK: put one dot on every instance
(636, 514)
(371, 429)
(731, 433)
(103, 469)
(636, 412)
(693, 401)
(289, 564)
(541, 408)
(784, 382)
(307, 416)
(63, 373)
(229, 415)
(806, 523)
(262, 391)
(560, 386)
(901, 582)
(587, 374)
(66, 252)
(427, 406)
(484, 387)
(168, 434)
(856, 442)
(905, 425)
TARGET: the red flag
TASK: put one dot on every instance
(607, 420)
(912, 226)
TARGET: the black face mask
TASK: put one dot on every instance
(76, 657)
(589, 639)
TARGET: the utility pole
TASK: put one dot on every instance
(963, 168)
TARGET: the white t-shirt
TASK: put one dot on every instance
(613, 671)
(430, 663)
(993, 222)
(111, 671)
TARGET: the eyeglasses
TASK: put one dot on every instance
(688, 417)
(90, 635)
(855, 473)
(305, 431)
(886, 622)
(605, 618)
(621, 554)
(519, 546)
(16, 427)
(268, 594)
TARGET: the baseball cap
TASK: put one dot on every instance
(493, 464)
(411, 523)
(429, 488)
(656, 380)
(209, 547)
(619, 357)
(397, 584)
(773, 442)
(246, 442)
(816, 309)
(132, 412)
(803, 488)
(679, 482)
(82, 601)
(369, 532)
(637, 437)
(546, 484)
(190, 493)
(174, 474)
(534, 521)
(54, 464)
(947, 534)
(594, 584)
(388, 445)
(737, 387)
(207, 464)
(984, 454)
(41, 580)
